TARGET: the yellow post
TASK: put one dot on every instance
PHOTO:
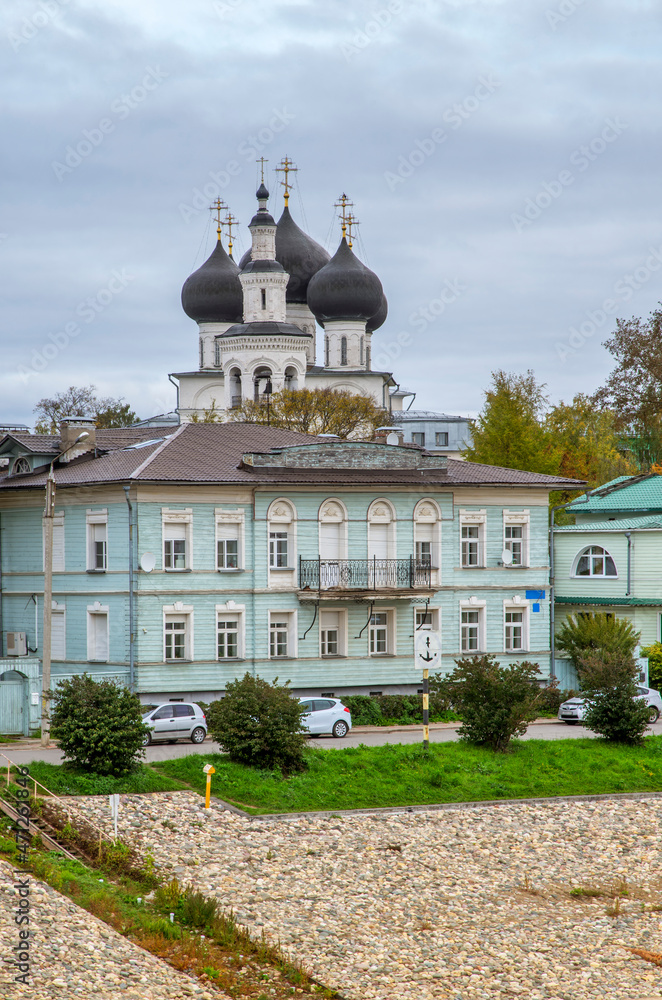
(209, 769)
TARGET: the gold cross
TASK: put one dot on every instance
(344, 203)
(218, 207)
(286, 167)
(262, 162)
(230, 221)
(351, 221)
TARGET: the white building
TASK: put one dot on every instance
(258, 321)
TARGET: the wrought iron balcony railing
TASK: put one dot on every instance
(364, 574)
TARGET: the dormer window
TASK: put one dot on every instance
(263, 296)
(21, 465)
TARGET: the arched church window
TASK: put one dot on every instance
(235, 388)
(326, 352)
(362, 349)
(291, 378)
(343, 350)
(263, 296)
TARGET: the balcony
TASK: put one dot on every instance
(364, 574)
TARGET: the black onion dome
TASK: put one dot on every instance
(262, 192)
(299, 254)
(245, 259)
(213, 293)
(379, 318)
(344, 288)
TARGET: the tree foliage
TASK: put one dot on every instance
(259, 724)
(316, 411)
(510, 431)
(82, 401)
(608, 678)
(98, 725)
(634, 387)
(518, 429)
(495, 702)
(591, 632)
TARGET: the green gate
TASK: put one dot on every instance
(13, 704)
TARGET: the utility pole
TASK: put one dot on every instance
(49, 515)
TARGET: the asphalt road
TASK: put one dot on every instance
(548, 730)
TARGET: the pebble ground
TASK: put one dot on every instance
(470, 903)
(76, 955)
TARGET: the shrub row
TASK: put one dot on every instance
(401, 709)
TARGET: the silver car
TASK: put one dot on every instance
(573, 711)
(178, 720)
(326, 715)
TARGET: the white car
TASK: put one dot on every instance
(573, 711)
(326, 715)
(175, 721)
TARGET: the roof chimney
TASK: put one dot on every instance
(389, 435)
(77, 436)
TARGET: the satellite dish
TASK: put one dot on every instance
(147, 562)
(507, 557)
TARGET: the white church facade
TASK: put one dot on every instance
(260, 321)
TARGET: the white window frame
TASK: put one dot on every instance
(427, 511)
(184, 520)
(282, 517)
(382, 511)
(518, 606)
(474, 518)
(434, 625)
(333, 511)
(292, 640)
(59, 609)
(342, 633)
(223, 518)
(391, 632)
(480, 607)
(229, 611)
(518, 519)
(593, 576)
(92, 519)
(58, 528)
(178, 611)
(94, 612)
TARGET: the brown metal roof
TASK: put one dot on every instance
(212, 453)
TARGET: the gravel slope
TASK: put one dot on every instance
(469, 903)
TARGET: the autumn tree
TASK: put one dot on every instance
(510, 431)
(588, 443)
(82, 401)
(633, 390)
(316, 411)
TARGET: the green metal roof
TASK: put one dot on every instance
(622, 524)
(642, 492)
(608, 602)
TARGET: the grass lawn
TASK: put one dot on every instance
(63, 780)
(396, 775)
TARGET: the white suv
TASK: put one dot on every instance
(178, 720)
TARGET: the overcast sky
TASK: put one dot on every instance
(503, 158)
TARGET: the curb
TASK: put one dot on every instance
(436, 726)
(438, 807)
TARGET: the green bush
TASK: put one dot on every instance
(364, 709)
(551, 697)
(259, 724)
(591, 631)
(609, 682)
(495, 702)
(654, 654)
(98, 725)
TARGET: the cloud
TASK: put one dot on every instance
(353, 115)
